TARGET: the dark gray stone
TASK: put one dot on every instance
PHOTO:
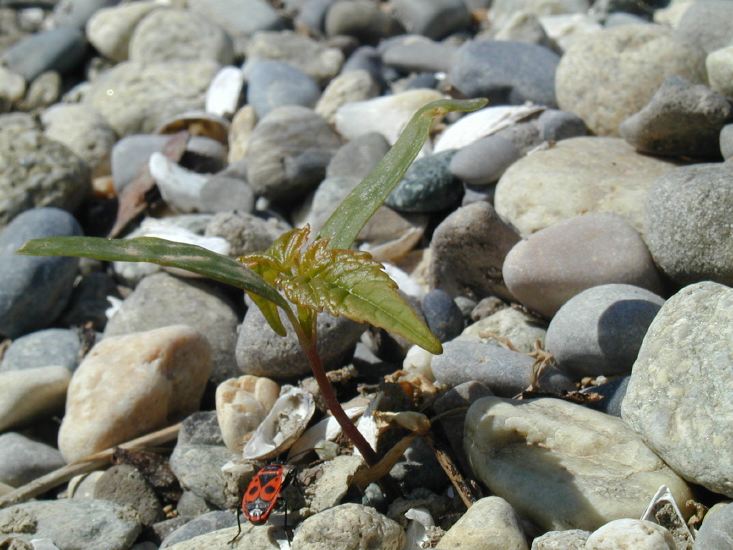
(130, 155)
(707, 24)
(23, 460)
(505, 372)
(89, 303)
(600, 330)
(418, 54)
(34, 290)
(716, 532)
(61, 50)
(556, 125)
(688, 229)
(681, 119)
(288, 153)
(434, 19)
(358, 157)
(505, 72)
(484, 161)
(613, 394)
(442, 314)
(366, 58)
(362, 19)
(273, 84)
(420, 469)
(53, 346)
(312, 15)
(125, 485)
(427, 186)
(205, 523)
(161, 300)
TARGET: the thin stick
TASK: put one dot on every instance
(454, 475)
(53, 479)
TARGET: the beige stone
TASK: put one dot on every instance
(520, 328)
(345, 88)
(252, 537)
(110, 29)
(719, 64)
(243, 122)
(28, 393)
(631, 534)
(130, 385)
(490, 524)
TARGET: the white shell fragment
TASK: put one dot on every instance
(284, 424)
(417, 528)
(241, 404)
(663, 510)
(179, 187)
(325, 430)
(222, 97)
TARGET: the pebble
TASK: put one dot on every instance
(415, 53)
(312, 15)
(43, 348)
(348, 87)
(246, 233)
(190, 505)
(434, 19)
(513, 325)
(61, 49)
(489, 524)
(240, 131)
(503, 9)
(613, 394)
(427, 186)
(505, 372)
(78, 523)
(125, 485)
(366, 58)
(726, 141)
(706, 24)
(138, 97)
(362, 19)
(561, 465)
(331, 191)
(205, 523)
(161, 300)
(132, 384)
(22, 459)
(630, 534)
(717, 530)
(657, 128)
(110, 28)
(688, 221)
(543, 273)
(719, 64)
(442, 314)
(524, 26)
(12, 89)
(467, 252)
(612, 178)
(505, 72)
(679, 386)
(554, 125)
(29, 394)
(35, 289)
(484, 161)
(288, 153)
(599, 331)
(38, 171)
(130, 155)
(645, 55)
(273, 84)
(260, 537)
(261, 352)
(358, 157)
(349, 527)
(570, 539)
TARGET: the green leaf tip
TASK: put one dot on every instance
(352, 214)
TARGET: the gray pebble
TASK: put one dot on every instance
(358, 157)
(716, 532)
(707, 24)
(272, 84)
(366, 58)
(43, 348)
(190, 505)
(76, 13)
(484, 161)
(125, 485)
(130, 155)
(312, 15)
(442, 314)
(420, 469)
(556, 125)
(417, 53)
(61, 49)
(211, 521)
(361, 19)
(434, 19)
(726, 141)
(224, 194)
(89, 301)
(427, 186)
(245, 232)
(23, 460)
(613, 394)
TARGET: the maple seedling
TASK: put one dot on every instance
(298, 278)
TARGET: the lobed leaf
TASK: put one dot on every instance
(352, 214)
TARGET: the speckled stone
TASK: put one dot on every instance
(272, 84)
(428, 186)
(442, 314)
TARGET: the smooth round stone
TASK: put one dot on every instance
(249, 536)
(505, 72)
(44, 91)
(272, 84)
(681, 386)
(61, 50)
(717, 530)
(631, 533)
(366, 58)
(316, 59)
(502, 10)
(442, 314)
(348, 87)
(109, 30)
(510, 324)
(53, 346)
(490, 524)
(612, 178)
(83, 131)
(505, 372)
(73, 523)
(34, 289)
(179, 35)
(131, 385)
(31, 393)
(358, 157)
(484, 161)
(527, 452)
(349, 527)
(645, 55)
(706, 24)
(37, 171)
(23, 460)
(245, 232)
(726, 141)
(12, 89)
(719, 64)
(205, 523)
(688, 223)
(525, 26)
(243, 123)
(427, 186)
(361, 19)
(468, 249)
(125, 485)
(312, 15)
(190, 505)
(160, 300)
(224, 194)
(555, 125)
(288, 153)
(600, 330)
(330, 193)
(681, 119)
(419, 54)
(570, 539)
(138, 97)
(130, 155)
(434, 19)
(543, 272)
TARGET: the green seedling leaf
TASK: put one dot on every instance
(342, 282)
(170, 254)
(352, 214)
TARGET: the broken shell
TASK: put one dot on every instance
(197, 123)
(420, 521)
(663, 510)
(327, 429)
(222, 97)
(284, 424)
(241, 405)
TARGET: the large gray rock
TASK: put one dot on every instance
(600, 330)
(61, 50)
(717, 530)
(707, 24)
(53, 346)
(609, 75)
(562, 465)
(681, 387)
(689, 233)
(125, 485)
(23, 459)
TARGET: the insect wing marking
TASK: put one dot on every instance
(262, 493)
